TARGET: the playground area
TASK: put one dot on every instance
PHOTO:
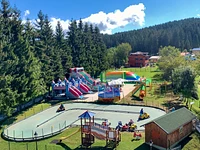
(111, 87)
(48, 123)
(126, 89)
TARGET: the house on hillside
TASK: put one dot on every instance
(138, 59)
(196, 51)
(168, 130)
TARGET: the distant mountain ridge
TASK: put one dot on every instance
(183, 34)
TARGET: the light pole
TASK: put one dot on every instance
(35, 134)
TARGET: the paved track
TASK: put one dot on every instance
(49, 121)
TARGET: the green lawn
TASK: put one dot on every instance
(148, 72)
(73, 142)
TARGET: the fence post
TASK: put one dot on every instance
(26, 146)
(14, 134)
(45, 147)
(22, 135)
(8, 144)
(51, 129)
(32, 133)
(42, 132)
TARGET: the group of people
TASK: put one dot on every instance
(127, 127)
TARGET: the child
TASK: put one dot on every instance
(141, 111)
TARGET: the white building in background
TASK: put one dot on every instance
(196, 51)
(154, 59)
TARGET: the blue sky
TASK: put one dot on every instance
(110, 15)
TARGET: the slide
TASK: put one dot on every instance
(83, 89)
(77, 90)
(73, 93)
(87, 86)
(137, 88)
(100, 132)
(142, 94)
(87, 77)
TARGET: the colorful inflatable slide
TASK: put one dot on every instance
(67, 89)
(79, 72)
(113, 75)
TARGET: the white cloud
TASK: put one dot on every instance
(106, 22)
(133, 14)
(65, 24)
(26, 13)
(198, 15)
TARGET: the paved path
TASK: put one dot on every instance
(49, 121)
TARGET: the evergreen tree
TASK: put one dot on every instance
(62, 49)
(74, 43)
(101, 51)
(89, 50)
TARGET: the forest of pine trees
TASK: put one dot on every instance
(183, 34)
(32, 55)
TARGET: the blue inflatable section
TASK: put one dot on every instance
(110, 94)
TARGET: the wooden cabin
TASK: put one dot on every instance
(168, 130)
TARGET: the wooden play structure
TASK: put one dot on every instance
(91, 130)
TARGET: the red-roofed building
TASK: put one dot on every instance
(138, 59)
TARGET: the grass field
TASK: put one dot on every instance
(148, 72)
(127, 143)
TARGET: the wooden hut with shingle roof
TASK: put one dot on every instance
(168, 130)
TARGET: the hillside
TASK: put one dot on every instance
(183, 34)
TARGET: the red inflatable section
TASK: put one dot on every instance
(73, 92)
(84, 88)
(77, 90)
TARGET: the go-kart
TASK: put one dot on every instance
(143, 116)
(133, 127)
(125, 127)
(61, 108)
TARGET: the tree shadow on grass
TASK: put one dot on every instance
(64, 146)
(136, 98)
(94, 148)
(81, 148)
(144, 147)
(7, 122)
(185, 141)
(175, 104)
